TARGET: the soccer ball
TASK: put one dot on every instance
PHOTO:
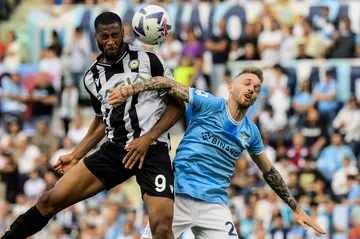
(151, 24)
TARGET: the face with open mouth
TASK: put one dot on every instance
(245, 89)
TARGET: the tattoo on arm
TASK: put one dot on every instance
(276, 182)
(161, 83)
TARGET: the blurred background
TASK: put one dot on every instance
(307, 110)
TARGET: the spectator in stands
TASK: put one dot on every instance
(10, 139)
(14, 97)
(325, 96)
(222, 89)
(240, 176)
(308, 174)
(199, 79)
(112, 226)
(272, 124)
(320, 219)
(79, 52)
(294, 185)
(269, 43)
(50, 63)
(44, 138)
(279, 97)
(331, 158)
(302, 52)
(193, 47)
(56, 43)
(250, 37)
(353, 184)
(302, 103)
(42, 164)
(247, 224)
(315, 43)
(68, 104)
(219, 45)
(285, 166)
(348, 122)
(43, 98)
(330, 228)
(344, 42)
(77, 130)
(299, 151)
(278, 229)
(129, 37)
(34, 186)
(25, 155)
(288, 44)
(171, 51)
(315, 132)
(268, 149)
(9, 175)
(339, 181)
(13, 51)
(184, 71)
(250, 53)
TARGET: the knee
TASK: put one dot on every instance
(161, 227)
(47, 205)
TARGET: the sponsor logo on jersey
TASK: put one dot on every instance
(207, 136)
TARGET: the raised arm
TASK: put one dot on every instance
(276, 182)
(173, 88)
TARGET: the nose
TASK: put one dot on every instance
(110, 41)
(251, 89)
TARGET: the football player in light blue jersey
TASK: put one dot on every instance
(217, 134)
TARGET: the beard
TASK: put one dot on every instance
(108, 56)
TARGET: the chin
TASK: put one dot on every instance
(112, 56)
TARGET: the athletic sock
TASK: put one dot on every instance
(26, 225)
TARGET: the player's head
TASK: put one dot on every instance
(109, 34)
(246, 87)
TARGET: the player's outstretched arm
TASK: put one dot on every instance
(277, 183)
(173, 88)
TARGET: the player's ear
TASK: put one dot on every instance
(230, 87)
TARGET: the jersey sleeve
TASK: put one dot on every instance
(256, 146)
(204, 101)
(96, 104)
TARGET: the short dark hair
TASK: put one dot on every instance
(107, 18)
(252, 70)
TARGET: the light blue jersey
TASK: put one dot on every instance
(206, 157)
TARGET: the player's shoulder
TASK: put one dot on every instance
(252, 127)
(145, 52)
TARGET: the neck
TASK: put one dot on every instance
(236, 113)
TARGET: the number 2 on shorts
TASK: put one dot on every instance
(231, 231)
(160, 183)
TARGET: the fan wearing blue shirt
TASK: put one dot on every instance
(218, 132)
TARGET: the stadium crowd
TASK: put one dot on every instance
(311, 137)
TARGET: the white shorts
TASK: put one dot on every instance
(206, 220)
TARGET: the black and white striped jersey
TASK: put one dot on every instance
(141, 111)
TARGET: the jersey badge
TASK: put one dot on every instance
(133, 64)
